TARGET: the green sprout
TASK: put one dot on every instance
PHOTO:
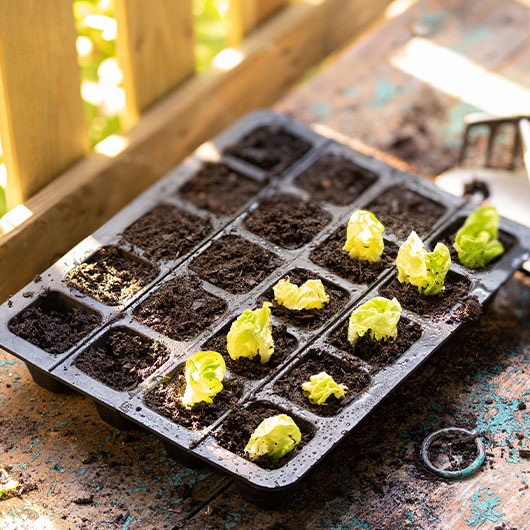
(274, 437)
(364, 236)
(251, 334)
(425, 270)
(310, 295)
(476, 241)
(204, 373)
(320, 387)
(378, 317)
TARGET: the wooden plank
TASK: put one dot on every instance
(79, 201)
(155, 49)
(42, 119)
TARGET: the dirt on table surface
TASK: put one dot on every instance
(164, 398)
(53, 326)
(111, 276)
(167, 232)
(122, 359)
(453, 453)
(269, 147)
(381, 354)
(329, 255)
(219, 189)
(237, 428)
(180, 309)
(287, 220)
(235, 264)
(290, 385)
(402, 210)
(335, 179)
(284, 345)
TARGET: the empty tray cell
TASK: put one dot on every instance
(111, 275)
(308, 318)
(165, 397)
(402, 210)
(122, 358)
(287, 221)
(381, 354)
(237, 428)
(284, 345)
(219, 189)
(235, 264)
(180, 309)
(167, 232)
(439, 306)
(329, 255)
(54, 322)
(335, 179)
(289, 386)
(270, 147)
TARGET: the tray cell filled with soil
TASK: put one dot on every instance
(330, 255)
(235, 264)
(238, 426)
(380, 354)
(167, 233)
(111, 276)
(269, 147)
(308, 319)
(219, 189)
(180, 309)
(54, 322)
(287, 220)
(164, 398)
(284, 345)
(402, 210)
(335, 179)
(122, 358)
(289, 386)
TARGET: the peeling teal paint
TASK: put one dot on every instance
(385, 91)
(484, 508)
(433, 21)
(350, 91)
(455, 123)
(3, 363)
(321, 111)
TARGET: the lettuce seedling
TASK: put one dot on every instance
(378, 317)
(251, 334)
(204, 373)
(476, 241)
(364, 236)
(274, 437)
(310, 295)
(320, 387)
(425, 270)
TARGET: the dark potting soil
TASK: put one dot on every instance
(269, 147)
(164, 399)
(290, 385)
(284, 344)
(122, 359)
(52, 325)
(452, 454)
(235, 264)
(287, 221)
(402, 210)
(330, 255)
(378, 355)
(437, 306)
(180, 309)
(335, 179)
(237, 428)
(167, 232)
(469, 311)
(310, 318)
(111, 276)
(219, 189)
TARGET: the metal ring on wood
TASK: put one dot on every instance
(461, 473)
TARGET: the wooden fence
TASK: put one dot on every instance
(68, 192)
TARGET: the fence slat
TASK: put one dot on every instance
(155, 48)
(42, 118)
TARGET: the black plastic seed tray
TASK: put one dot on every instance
(209, 264)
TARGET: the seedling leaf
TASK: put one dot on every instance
(320, 387)
(204, 373)
(364, 236)
(310, 295)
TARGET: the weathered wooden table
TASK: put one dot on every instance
(404, 88)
